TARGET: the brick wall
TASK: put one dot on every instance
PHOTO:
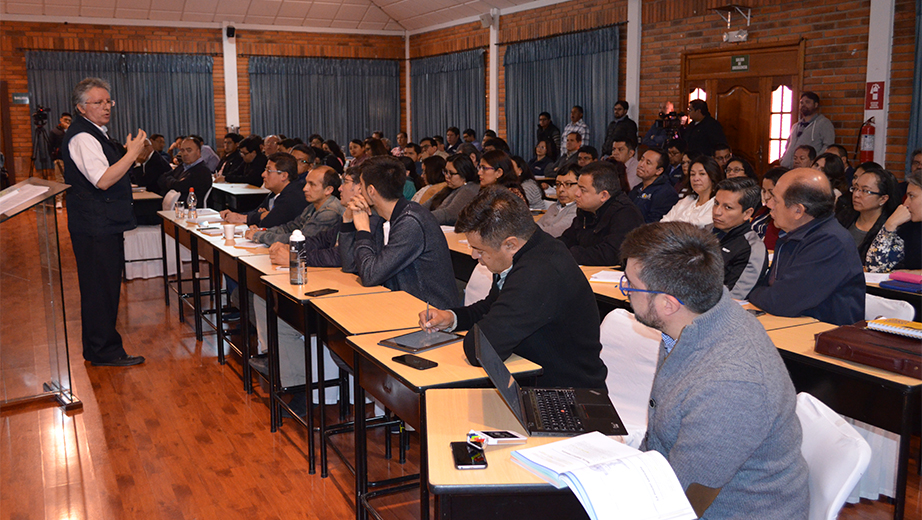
(18, 37)
(836, 36)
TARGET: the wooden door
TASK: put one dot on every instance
(740, 98)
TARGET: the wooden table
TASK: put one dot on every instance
(461, 260)
(877, 397)
(504, 488)
(146, 206)
(289, 302)
(404, 390)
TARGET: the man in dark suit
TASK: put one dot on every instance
(148, 168)
(704, 133)
(254, 163)
(192, 173)
(621, 129)
(284, 203)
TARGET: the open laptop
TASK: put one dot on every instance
(554, 412)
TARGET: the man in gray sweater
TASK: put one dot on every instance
(722, 404)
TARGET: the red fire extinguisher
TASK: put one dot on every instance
(866, 141)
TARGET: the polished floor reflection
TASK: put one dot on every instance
(175, 438)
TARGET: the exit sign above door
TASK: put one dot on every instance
(739, 63)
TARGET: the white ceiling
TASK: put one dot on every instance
(349, 15)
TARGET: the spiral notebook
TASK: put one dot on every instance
(910, 329)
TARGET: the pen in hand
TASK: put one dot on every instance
(427, 315)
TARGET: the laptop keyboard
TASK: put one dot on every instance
(556, 409)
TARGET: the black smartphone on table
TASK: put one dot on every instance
(415, 362)
(320, 292)
(468, 456)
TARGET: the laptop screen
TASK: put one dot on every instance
(502, 379)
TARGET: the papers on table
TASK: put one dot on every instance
(249, 244)
(14, 197)
(876, 277)
(607, 276)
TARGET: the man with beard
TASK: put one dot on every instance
(813, 129)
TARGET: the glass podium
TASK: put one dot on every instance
(32, 296)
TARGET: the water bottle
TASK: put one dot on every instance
(190, 204)
(297, 266)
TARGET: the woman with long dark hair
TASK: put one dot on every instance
(873, 200)
(461, 187)
(703, 176)
(533, 193)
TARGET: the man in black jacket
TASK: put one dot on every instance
(704, 133)
(621, 129)
(604, 216)
(744, 253)
(232, 158)
(284, 203)
(540, 306)
(547, 130)
(148, 168)
(254, 162)
(654, 196)
(192, 173)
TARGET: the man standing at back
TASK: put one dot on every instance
(576, 124)
(704, 133)
(816, 270)
(99, 211)
(540, 306)
(722, 406)
(411, 254)
(547, 130)
(622, 128)
(813, 129)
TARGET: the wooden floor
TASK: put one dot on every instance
(175, 438)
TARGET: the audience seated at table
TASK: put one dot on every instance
(695, 208)
(603, 218)
(254, 162)
(191, 173)
(323, 210)
(654, 196)
(898, 244)
(434, 177)
(554, 323)
(762, 222)
(148, 168)
(545, 155)
(739, 167)
(526, 178)
(744, 254)
(816, 270)
(414, 257)
(831, 166)
(560, 214)
(721, 408)
(873, 201)
(232, 158)
(285, 200)
(461, 186)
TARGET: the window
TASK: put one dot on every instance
(698, 93)
(780, 122)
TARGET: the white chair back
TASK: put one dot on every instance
(877, 307)
(630, 351)
(169, 199)
(836, 456)
(478, 287)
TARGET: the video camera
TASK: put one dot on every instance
(40, 117)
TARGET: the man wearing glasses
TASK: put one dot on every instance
(285, 200)
(191, 172)
(560, 215)
(603, 218)
(99, 211)
(721, 409)
(254, 163)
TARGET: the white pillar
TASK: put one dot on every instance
(406, 84)
(880, 51)
(494, 72)
(632, 73)
(231, 98)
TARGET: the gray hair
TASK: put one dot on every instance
(79, 95)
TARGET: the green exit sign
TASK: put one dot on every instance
(739, 63)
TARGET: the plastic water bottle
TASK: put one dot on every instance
(297, 266)
(190, 204)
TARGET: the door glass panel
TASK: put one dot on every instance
(698, 93)
(780, 121)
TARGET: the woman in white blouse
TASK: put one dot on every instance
(703, 176)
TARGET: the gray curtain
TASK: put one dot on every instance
(915, 114)
(169, 94)
(340, 99)
(552, 75)
(447, 91)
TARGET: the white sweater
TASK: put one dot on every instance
(686, 211)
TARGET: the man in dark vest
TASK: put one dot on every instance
(99, 210)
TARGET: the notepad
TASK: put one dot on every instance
(911, 329)
(607, 277)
